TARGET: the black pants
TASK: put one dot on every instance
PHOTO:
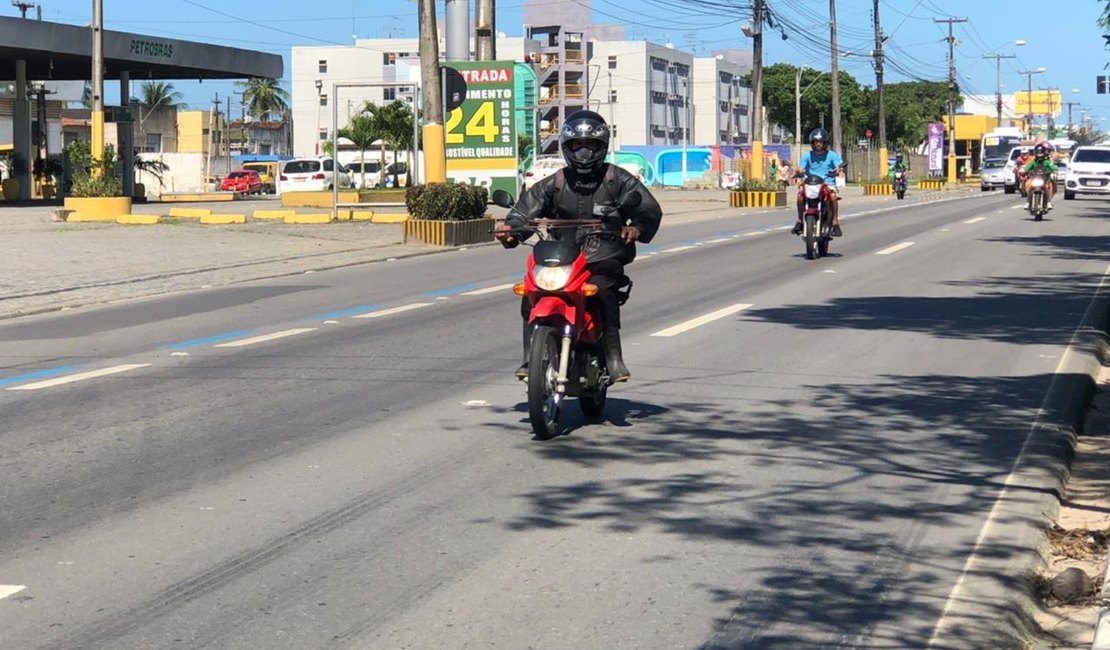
(608, 275)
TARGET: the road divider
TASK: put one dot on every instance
(701, 320)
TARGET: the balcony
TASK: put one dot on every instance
(569, 92)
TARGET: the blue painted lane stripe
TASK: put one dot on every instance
(38, 374)
(192, 343)
(452, 290)
(361, 309)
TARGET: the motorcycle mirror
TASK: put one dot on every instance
(632, 199)
(502, 198)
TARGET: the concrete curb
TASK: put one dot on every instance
(992, 603)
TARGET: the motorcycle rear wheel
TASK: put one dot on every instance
(543, 368)
(811, 236)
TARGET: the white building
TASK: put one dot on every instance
(722, 103)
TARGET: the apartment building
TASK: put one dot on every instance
(722, 102)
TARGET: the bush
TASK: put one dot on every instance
(93, 178)
(752, 185)
(446, 202)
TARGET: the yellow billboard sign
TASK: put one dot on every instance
(1039, 102)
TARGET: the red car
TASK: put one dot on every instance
(243, 180)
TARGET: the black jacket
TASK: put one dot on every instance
(580, 198)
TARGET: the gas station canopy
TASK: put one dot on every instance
(64, 52)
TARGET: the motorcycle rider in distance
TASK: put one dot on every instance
(820, 161)
(589, 188)
(1041, 164)
(899, 166)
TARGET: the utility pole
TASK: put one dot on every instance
(837, 134)
(97, 82)
(1070, 104)
(1029, 99)
(951, 95)
(435, 157)
(757, 90)
(879, 91)
(227, 135)
(797, 152)
(485, 19)
(998, 81)
(208, 149)
(456, 22)
(24, 6)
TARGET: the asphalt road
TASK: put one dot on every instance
(260, 467)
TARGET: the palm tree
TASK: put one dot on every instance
(395, 124)
(263, 97)
(362, 131)
(157, 93)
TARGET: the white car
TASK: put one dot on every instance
(1088, 172)
(541, 168)
(372, 170)
(311, 175)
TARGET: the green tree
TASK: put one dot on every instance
(263, 97)
(778, 97)
(910, 106)
(394, 125)
(363, 131)
(159, 93)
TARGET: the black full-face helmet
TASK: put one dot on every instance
(1040, 151)
(819, 135)
(584, 141)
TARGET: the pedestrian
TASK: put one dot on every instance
(774, 168)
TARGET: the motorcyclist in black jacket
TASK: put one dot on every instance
(589, 188)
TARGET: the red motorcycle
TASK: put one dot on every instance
(566, 358)
(816, 216)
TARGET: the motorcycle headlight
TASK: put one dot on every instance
(1038, 182)
(551, 278)
(813, 191)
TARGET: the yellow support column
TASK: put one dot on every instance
(883, 169)
(435, 155)
(757, 160)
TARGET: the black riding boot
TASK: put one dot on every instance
(611, 339)
(522, 371)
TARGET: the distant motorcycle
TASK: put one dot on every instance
(816, 216)
(1038, 196)
(900, 184)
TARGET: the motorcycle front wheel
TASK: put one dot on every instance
(543, 369)
(811, 236)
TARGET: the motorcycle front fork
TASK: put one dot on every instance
(564, 360)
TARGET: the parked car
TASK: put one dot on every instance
(541, 168)
(312, 175)
(267, 171)
(1088, 172)
(370, 168)
(243, 181)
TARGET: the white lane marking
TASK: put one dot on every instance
(1018, 207)
(752, 234)
(265, 337)
(718, 240)
(179, 354)
(443, 298)
(976, 219)
(69, 379)
(475, 402)
(482, 292)
(8, 590)
(393, 310)
(331, 322)
(702, 320)
(828, 271)
(895, 248)
(679, 248)
(944, 230)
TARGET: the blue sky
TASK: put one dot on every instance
(1066, 40)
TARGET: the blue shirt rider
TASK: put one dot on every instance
(826, 163)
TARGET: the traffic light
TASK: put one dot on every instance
(1101, 89)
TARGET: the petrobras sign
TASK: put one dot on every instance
(936, 146)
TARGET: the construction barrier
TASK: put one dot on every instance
(745, 199)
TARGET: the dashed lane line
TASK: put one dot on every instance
(265, 337)
(895, 248)
(975, 220)
(482, 292)
(394, 310)
(702, 320)
(678, 249)
(10, 590)
(81, 376)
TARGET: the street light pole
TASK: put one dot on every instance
(97, 82)
(319, 96)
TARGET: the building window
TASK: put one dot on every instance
(153, 142)
(265, 149)
(389, 58)
(612, 62)
(612, 97)
(323, 134)
(389, 93)
(323, 100)
(323, 66)
(724, 107)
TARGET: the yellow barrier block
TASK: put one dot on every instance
(878, 189)
(189, 213)
(273, 214)
(390, 218)
(139, 219)
(223, 219)
(362, 215)
(343, 215)
(77, 217)
(308, 218)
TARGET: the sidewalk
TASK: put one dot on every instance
(52, 265)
